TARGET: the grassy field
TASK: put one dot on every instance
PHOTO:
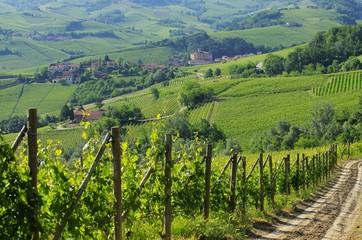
(312, 20)
(243, 108)
(140, 24)
(48, 98)
(247, 107)
(4, 82)
(146, 55)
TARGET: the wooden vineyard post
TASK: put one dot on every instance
(324, 166)
(272, 181)
(329, 164)
(303, 172)
(261, 179)
(313, 171)
(33, 165)
(207, 181)
(297, 174)
(234, 168)
(243, 210)
(168, 185)
(307, 172)
(335, 154)
(319, 166)
(117, 183)
(287, 174)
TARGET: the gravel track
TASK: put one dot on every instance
(330, 214)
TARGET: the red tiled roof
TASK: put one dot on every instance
(87, 115)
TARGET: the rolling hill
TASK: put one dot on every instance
(38, 33)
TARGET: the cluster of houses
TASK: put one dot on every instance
(70, 73)
(200, 57)
(64, 72)
(49, 37)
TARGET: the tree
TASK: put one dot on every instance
(155, 93)
(323, 116)
(124, 114)
(209, 73)
(209, 132)
(159, 76)
(99, 104)
(66, 113)
(217, 72)
(352, 63)
(273, 65)
(179, 124)
(193, 94)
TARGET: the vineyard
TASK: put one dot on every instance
(342, 82)
(49, 98)
(153, 190)
(203, 112)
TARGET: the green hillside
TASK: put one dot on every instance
(34, 28)
(312, 20)
(247, 107)
(48, 98)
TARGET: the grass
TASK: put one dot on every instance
(8, 100)
(313, 21)
(4, 82)
(48, 98)
(141, 24)
(70, 139)
(146, 55)
(248, 107)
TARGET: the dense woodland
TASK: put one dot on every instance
(325, 126)
(351, 9)
(332, 51)
(219, 48)
(261, 19)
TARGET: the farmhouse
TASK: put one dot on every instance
(87, 115)
(200, 57)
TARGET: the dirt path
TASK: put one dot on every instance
(331, 214)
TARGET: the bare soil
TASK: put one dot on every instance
(332, 213)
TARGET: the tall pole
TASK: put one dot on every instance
(207, 181)
(33, 165)
(168, 185)
(117, 183)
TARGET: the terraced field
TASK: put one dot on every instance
(48, 98)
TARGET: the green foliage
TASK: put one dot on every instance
(155, 93)
(179, 125)
(349, 8)
(12, 125)
(193, 94)
(261, 19)
(15, 188)
(209, 132)
(217, 72)
(124, 114)
(273, 65)
(66, 113)
(209, 73)
(219, 48)
(74, 26)
(112, 17)
(341, 82)
(323, 117)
